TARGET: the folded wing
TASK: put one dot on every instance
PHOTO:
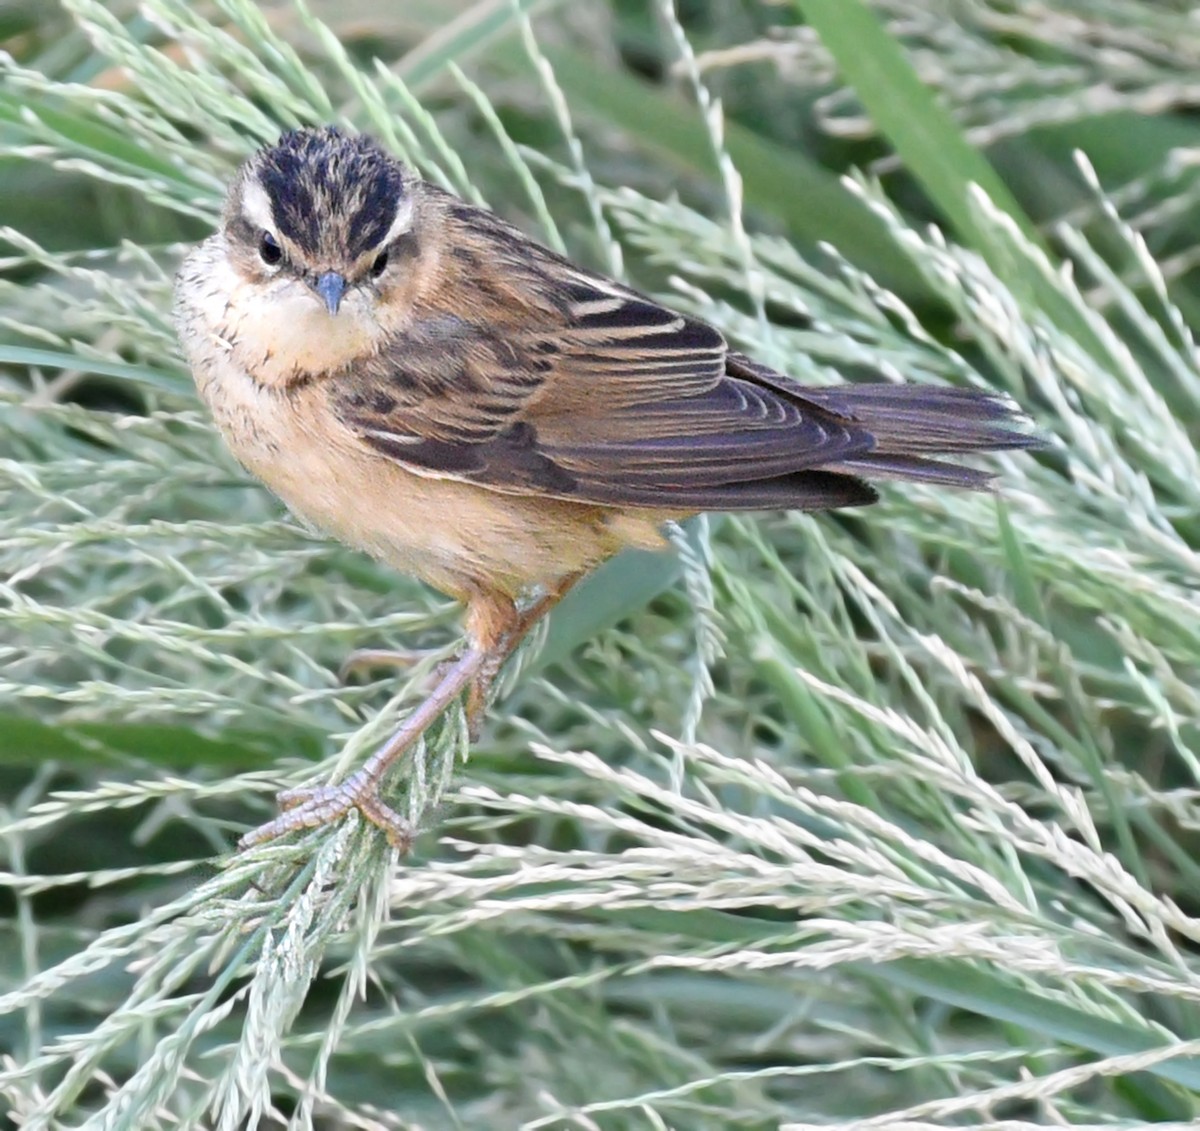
(601, 395)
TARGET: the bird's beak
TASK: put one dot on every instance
(331, 286)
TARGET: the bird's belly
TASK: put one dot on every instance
(458, 537)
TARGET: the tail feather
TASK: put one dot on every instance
(909, 425)
(917, 469)
(912, 425)
(915, 420)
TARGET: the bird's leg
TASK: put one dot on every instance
(480, 691)
(494, 628)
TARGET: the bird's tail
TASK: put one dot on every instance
(914, 425)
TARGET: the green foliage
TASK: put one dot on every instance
(877, 818)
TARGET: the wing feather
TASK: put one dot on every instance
(611, 399)
(579, 388)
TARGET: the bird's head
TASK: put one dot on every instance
(320, 231)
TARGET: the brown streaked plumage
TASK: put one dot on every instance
(418, 378)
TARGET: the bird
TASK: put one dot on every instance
(415, 376)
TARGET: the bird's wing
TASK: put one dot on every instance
(603, 397)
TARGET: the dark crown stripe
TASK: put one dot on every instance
(324, 179)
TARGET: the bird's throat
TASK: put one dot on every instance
(284, 339)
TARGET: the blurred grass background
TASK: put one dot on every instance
(878, 819)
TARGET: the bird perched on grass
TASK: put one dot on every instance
(418, 378)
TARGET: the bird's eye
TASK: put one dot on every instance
(269, 250)
(380, 265)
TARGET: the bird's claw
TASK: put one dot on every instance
(308, 807)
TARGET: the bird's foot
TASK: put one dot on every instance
(311, 806)
(501, 628)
